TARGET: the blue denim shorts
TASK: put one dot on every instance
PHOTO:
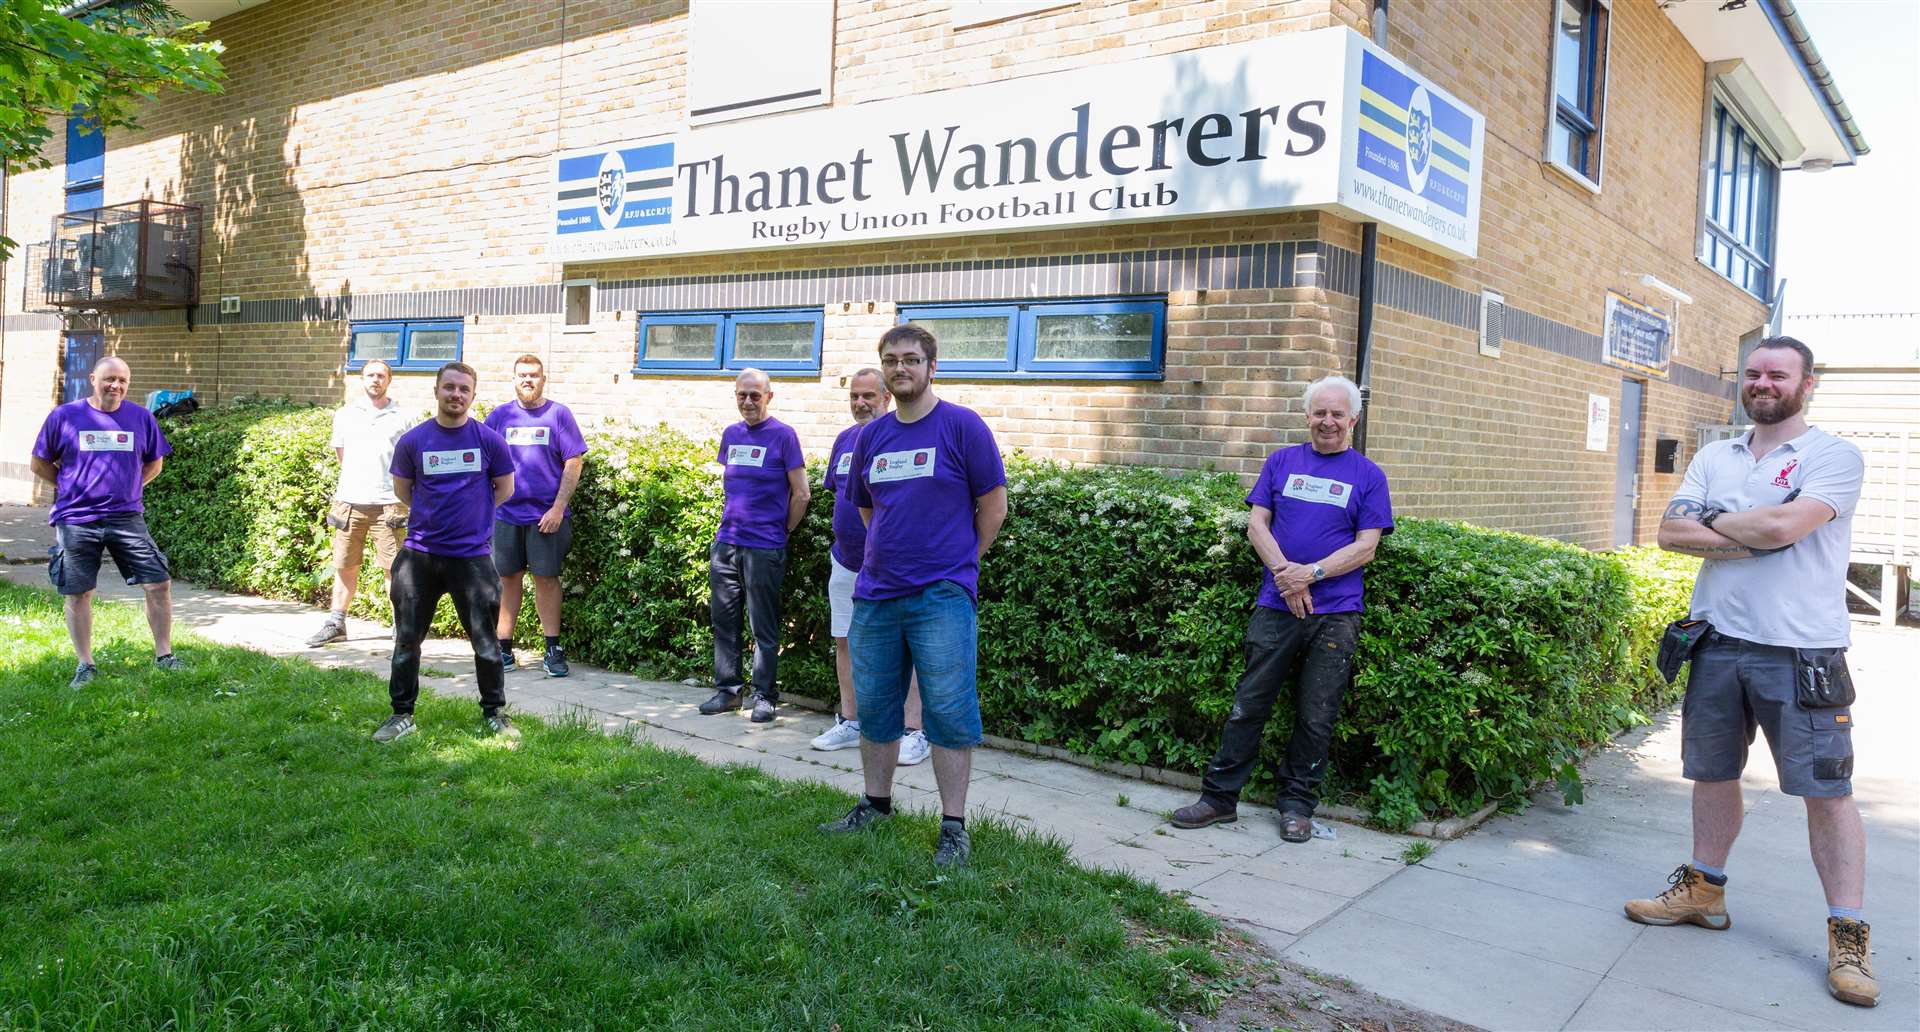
(933, 632)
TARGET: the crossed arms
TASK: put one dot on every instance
(1735, 535)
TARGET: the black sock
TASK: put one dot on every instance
(553, 642)
(506, 645)
(157, 659)
(945, 817)
(1713, 879)
(883, 803)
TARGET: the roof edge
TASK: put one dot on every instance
(1786, 21)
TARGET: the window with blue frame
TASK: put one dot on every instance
(1741, 204)
(86, 180)
(1579, 87)
(1114, 338)
(411, 345)
(777, 340)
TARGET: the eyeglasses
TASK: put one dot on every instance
(910, 361)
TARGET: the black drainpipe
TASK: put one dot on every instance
(1369, 255)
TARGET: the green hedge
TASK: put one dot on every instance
(1111, 608)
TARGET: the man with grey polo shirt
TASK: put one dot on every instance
(364, 506)
(1771, 512)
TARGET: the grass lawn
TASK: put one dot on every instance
(224, 847)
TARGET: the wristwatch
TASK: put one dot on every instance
(1319, 572)
(1707, 518)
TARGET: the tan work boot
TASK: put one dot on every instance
(1850, 962)
(1691, 900)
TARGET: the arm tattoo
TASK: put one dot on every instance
(1685, 509)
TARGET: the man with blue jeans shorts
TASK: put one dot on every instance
(1771, 512)
(930, 485)
(99, 453)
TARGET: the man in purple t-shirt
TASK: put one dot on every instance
(1319, 511)
(451, 472)
(867, 397)
(930, 485)
(534, 530)
(99, 453)
(764, 476)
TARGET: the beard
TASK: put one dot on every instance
(1768, 410)
(909, 392)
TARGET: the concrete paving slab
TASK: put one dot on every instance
(1324, 866)
(1286, 908)
(1617, 1005)
(1566, 933)
(1737, 972)
(1448, 974)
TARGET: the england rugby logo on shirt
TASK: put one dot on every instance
(527, 435)
(440, 463)
(97, 441)
(746, 455)
(1319, 490)
(904, 465)
(845, 465)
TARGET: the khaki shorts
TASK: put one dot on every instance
(354, 524)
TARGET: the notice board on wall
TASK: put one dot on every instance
(1637, 336)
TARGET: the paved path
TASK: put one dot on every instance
(1517, 926)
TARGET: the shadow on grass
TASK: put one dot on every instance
(224, 846)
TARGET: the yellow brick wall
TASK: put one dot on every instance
(355, 154)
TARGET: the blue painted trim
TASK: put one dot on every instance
(717, 320)
(815, 316)
(403, 363)
(724, 323)
(1009, 312)
(1023, 362)
(1806, 74)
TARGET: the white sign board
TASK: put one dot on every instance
(1599, 415)
(1317, 119)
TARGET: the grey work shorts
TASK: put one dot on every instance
(1736, 686)
(518, 549)
(74, 561)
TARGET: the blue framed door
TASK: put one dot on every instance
(83, 350)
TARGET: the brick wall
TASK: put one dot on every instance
(353, 155)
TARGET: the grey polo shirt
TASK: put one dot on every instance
(1796, 598)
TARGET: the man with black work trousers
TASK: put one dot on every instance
(1771, 512)
(451, 472)
(1319, 511)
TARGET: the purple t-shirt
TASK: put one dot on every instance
(1320, 503)
(756, 461)
(100, 455)
(452, 473)
(921, 479)
(541, 441)
(849, 530)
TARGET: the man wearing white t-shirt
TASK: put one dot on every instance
(1771, 512)
(364, 505)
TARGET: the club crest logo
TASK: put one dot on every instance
(1780, 479)
(1299, 482)
(880, 465)
(611, 189)
(919, 458)
(122, 438)
(466, 457)
(1419, 138)
(1336, 489)
(756, 453)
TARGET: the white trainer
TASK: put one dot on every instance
(914, 748)
(844, 734)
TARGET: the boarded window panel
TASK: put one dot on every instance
(772, 342)
(754, 57)
(681, 343)
(970, 338)
(1115, 337)
(433, 346)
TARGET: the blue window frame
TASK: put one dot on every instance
(1579, 87)
(1742, 204)
(86, 165)
(413, 345)
(1101, 339)
(776, 340)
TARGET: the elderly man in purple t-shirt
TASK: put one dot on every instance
(99, 453)
(1319, 511)
(930, 485)
(764, 476)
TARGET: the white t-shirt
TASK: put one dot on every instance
(366, 436)
(1796, 598)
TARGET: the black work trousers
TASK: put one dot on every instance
(419, 580)
(1316, 654)
(746, 582)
